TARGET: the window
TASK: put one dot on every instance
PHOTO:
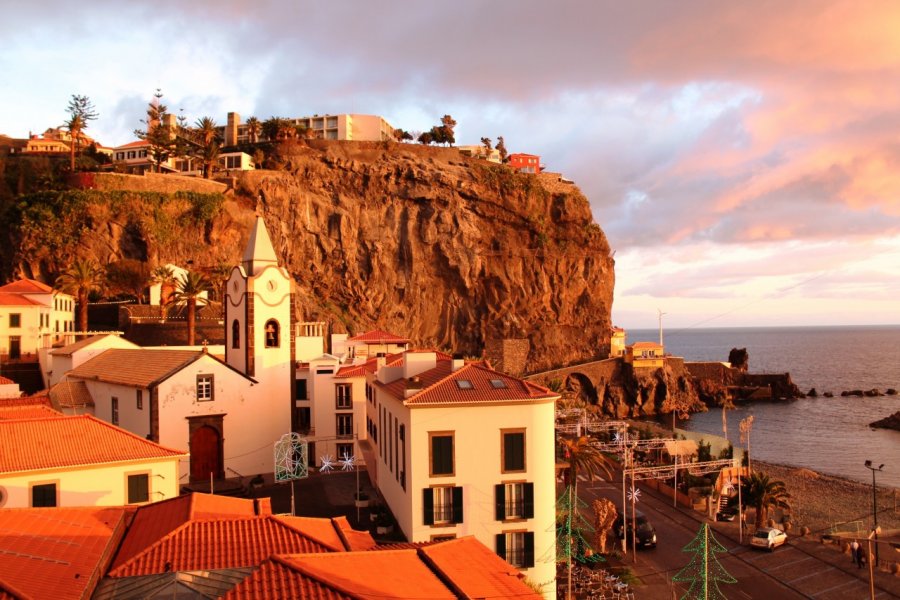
(514, 501)
(344, 425)
(115, 410)
(442, 505)
(513, 451)
(43, 494)
(300, 392)
(343, 393)
(235, 334)
(273, 334)
(204, 388)
(464, 384)
(303, 419)
(328, 371)
(15, 319)
(138, 488)
(498, 384)
(140, 399)
(344, 450)
(441, 450)
(516, 548)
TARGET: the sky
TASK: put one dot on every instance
(743, 158)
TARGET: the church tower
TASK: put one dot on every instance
(258, 317)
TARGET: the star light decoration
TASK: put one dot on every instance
(617, 437)
(348, 462)
(327, 463)
(634, 495)
(728, 488)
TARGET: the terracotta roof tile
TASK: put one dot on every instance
(5, 380)
(645, 345)
(13, 299)
(377, 336)
(135, 367)
(57, 553)
(484, 386)
(277, 579)
(134, 144)
(47, 443)
(477, 571)
(41, 399)
(26, 411)
(372, 575)
(154, 521)
(26, 286)
(71, 394)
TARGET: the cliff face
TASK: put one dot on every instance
(645, 392)
(451, 251)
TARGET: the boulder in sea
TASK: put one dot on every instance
(891, 392)
(872, 393)
(845, 393)
(891, 422)
(828, 395)
(812, 393)
(858, 393)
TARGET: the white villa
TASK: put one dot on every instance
(32, 316)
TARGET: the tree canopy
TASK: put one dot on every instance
(81, 112)
(158, 132)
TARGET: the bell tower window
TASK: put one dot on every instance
(273, 334)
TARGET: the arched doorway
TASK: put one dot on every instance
(206, 453)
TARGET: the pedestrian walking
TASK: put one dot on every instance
(854, 549)
(860, 556)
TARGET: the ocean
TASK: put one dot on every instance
(828, 435)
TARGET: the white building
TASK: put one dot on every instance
(62, 360)
(227, 414)
(81, 461)
(348, 127)
(459, 449)
(33, 316)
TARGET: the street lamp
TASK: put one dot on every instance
(873, 468)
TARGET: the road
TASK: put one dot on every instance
(655, 567)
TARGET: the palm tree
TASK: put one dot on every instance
(80, 279)
(583, 458)
(165, 277)
(189, 292)
(254, 127)
(75, 126)
(763, 493)
(207, 135)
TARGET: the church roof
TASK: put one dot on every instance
(259, 251)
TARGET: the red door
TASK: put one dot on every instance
(205, 457)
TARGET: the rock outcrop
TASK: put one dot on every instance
(891, 422)
(448, 250)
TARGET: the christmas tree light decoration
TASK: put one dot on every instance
(704, 572)
(571, 527)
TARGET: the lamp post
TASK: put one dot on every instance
(873, 468)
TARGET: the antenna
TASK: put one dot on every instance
(661, 313)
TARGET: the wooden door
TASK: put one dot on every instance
(205, 454)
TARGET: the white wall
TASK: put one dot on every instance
(102, 485)
(60, 364)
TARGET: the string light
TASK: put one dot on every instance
(704, 572)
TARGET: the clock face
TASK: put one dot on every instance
(272, 285)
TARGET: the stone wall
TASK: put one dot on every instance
(151, 182)
(508, 355)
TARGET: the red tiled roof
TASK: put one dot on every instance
(139, 367)
(134, 144)
(277, 579)
(40, 399)
(74, 347)
(57, 553)
(26, 411)
(55, 442)
(26, 286)
(5, 380)
(71, 394)
(645, 345)
(439, 386)
(476, 571)
(14, 299)
(352, 538)
(201, 531)
(371, 365)
(377, 336)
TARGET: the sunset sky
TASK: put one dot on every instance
(742, 158)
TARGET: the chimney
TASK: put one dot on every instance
(458, 362)
(231, 129)
(262, 506)
(413, 386)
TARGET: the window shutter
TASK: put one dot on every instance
(501, 545)
(500, 501)
(528, 489)
(529, 550)
(428, 505)
(457, 505)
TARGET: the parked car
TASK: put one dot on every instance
(768, 537)
(646, 533)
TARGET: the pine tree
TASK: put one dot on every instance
(704, 572)
(159, 132)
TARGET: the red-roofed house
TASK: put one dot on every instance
(525, 163)
(9, 388)
(59, 553)
(32, 316)
(62, 360)
(446, 436)
(650, 355)
(81, 461)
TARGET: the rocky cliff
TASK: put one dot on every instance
(449, 250)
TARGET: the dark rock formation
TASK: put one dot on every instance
(812, 393)
(451, 251)
(891, 422)
(646, 392)
(739, 359)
